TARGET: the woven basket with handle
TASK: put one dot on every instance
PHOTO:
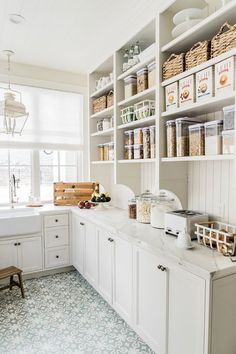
(198, 54)
(99, 104)
(174, 65)
(110, 98)
(224, 40)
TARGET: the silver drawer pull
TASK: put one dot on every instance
(56, 220)
(57, 256)
(57, 236)
(81, 223)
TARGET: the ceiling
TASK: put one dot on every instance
(71, 35)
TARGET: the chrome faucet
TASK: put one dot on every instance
(14, 184)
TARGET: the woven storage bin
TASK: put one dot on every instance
(224, 40)
(198, 54)
(110, 99)
(174, 65)
(99, 104)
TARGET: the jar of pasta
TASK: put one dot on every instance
(146, 143)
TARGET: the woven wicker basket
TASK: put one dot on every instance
(198, 54)
(174, 65)
(224, 40)
(110, 97)
(99, 104)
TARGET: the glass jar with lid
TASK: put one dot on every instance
(161, 204)
(171, 138)
(101, 152)
(106, 123)
(144, 202)
(132, 208)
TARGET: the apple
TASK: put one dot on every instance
(81, 204)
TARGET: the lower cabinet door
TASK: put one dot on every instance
(105, 259)
(150, 287)
(8, 253)
(30, 254)
(56, 257)
(186, 312)
(91, 254)
(78, 243)
(123, 279)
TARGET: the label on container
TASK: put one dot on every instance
(204, 84)
(186, 90)
(225, 76)
(171, 92)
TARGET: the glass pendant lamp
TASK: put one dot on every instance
(13, 114)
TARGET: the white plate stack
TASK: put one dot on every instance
(186, 19)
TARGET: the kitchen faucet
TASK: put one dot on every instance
(14, 184)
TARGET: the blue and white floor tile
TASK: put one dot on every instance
(63, 314)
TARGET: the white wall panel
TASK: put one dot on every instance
(148, 177)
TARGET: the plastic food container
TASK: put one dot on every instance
(138, 151)
(144, 207)
(132, 208)
(196, 140)
(106, 123)
(142, 80)
(213, 137)
(171, 138)
(228, 139)
(110, 151)
(130, 85)
(146, 143)
(101, 152)
(129, 137)
(106, 151)
(100, 126)
(138, 136)
(128, 115)
(129, 152)
(229, 117)
(144, 109)
(152, 74)
(182, 136)
(153, 141)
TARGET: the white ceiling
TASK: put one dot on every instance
(71, 35)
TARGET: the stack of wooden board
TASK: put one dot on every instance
(71, 193)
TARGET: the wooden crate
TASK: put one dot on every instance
(72, 193)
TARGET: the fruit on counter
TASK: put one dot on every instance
(100, 198)
(84, 204)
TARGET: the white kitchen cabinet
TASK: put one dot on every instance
(24, 252)
(150, 299)
(91, 254)
(78, 243)
(186, 312)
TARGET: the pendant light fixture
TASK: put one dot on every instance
(13, 115)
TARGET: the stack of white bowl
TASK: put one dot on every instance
(186, 19)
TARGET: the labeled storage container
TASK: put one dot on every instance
(101, 152)
(186, 91)
(153, 141)
(111, 151)
(225, 76)
(146, 143)
(171, 96)
(182, 135)
(196, 140)
(204, 84)
(213, 137)
(132, 208)
(229, 117)
(171, 138)
(129, 152)
(142, 80)
(138, 136)
(144, 109)
(228, 141)
(138, 151)
(151, 74)
(130, 86)
(129, 137)
(144, 207)
(128, 115)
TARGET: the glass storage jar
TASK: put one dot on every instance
(213, 137)
(161, 204)
(171, 138)
(196, 140)
(129, 137)
(153, 141)
(106, 123)
(229, 117)
(228, 137)
(106, 151)
(138, 151)
(130, 86)
(182, 135)
(144, 207)
(110, 151)
(138, 136)
(151, 74)
(99, 125)
(101, 152)
(146, 143)
(132, 208)
(142, 80)
(129, 152)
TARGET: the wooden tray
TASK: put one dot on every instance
(70, 193)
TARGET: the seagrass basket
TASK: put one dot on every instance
(174, 65)
(198, 54)
(224, 40)
(99, 104)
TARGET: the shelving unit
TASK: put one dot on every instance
(138, 123)
(103, 90)
(107, 132)
(198, 158)
(137, 161)
(105, 113)
(135, 68)
(147, 94)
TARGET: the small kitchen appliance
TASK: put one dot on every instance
(183, 221)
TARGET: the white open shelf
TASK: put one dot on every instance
(136, 67)
(207, 28)
(198, 158)
(110, 162)
(106, 112)
(138, 123)
(144, 94)
(103, 90)
(137, 161)
(213, 104)
(107, 132)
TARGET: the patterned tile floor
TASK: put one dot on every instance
(63, 314)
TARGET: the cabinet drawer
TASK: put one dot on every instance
(56, 220)
(56, 237)
(56, 257)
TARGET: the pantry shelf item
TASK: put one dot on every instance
(144, 109)
(128, 115)
(100, 125)
(130, 86)
(204, 84)
(225, 76)
(186, 91)
(146, 143)
(161, 204)
(171, 96)
(228, 141)
(217, 235)
(138, 136)
(224, 40)
(129, 152)
(129, 137)
(99, 104)
(101, 152)
(106, 151)
(213, 137)
(174, 65)
(187, 14)
(132, 208)
(71, 193)
(138, 151)
(142, 80)
(144, 202)
(110, 97)
(151, 74)
(153, 141)
(106, 123)
(229, 117)
(182, 135)
(183, 27)
(171, 138)
(110, 151)
(198, 54)
(196, 139)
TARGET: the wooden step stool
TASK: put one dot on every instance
(10, 272)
